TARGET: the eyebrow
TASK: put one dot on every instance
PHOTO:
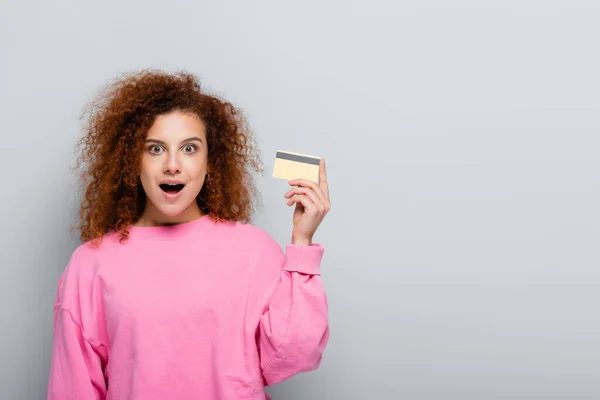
(192, 139)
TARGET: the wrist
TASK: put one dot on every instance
(301, 241)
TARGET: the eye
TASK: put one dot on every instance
(189, 148)
(154, 149)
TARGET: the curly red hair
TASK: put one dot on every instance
(116, 123)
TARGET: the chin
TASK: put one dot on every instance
(173, 210)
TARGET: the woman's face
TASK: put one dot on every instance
(173, 168)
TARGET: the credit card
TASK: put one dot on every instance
(289, 165)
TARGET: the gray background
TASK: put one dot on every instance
(461, 139)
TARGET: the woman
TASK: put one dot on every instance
(173, 293)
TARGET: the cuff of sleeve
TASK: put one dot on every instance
(304, 259)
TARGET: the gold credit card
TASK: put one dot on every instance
(290, 165)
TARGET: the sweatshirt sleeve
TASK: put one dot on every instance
(293, 329)
(79, 354)
(76, 370)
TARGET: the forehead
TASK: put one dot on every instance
(175, 126)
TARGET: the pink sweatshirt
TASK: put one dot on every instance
(202, 310)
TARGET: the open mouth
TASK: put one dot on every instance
(171, 189)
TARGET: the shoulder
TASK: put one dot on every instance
(84, 264)
(94, 249)
(254, 234)
(250, 230)
(256, 238)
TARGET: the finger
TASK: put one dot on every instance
(323, 179)
(324, 197)
(301, 190)
(310, 184)
(306, 191)
(316, 195)
(305, 201)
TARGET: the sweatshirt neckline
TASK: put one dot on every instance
(167, 231)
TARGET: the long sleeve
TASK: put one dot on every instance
(76, 370)
(79, 353)
(293, 330)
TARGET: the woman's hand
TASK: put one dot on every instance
(312, 204)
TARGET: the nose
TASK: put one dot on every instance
(172, 165)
